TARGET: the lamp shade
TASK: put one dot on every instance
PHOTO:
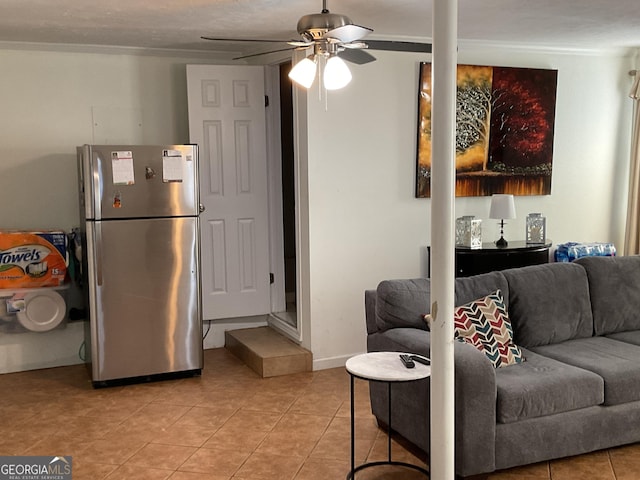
(336, 74)
(502, 206)
(304, 72)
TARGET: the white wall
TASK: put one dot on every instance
(365, 224)
(49, 100)
(52, 101)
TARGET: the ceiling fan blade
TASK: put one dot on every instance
(359, 57)
(347, 33)
(355, 45)
(243, 40)
(263, 53)
(397, 46)
(300, 43)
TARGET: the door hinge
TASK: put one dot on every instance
(266, 100)
(272, 278)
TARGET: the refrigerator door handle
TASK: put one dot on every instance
(92, 166)
(98, 250)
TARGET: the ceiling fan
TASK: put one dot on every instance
(333, 37)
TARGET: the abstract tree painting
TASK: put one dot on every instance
(504, 130)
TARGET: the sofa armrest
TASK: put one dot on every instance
(475, 399)
(370, 310)
(476, 395)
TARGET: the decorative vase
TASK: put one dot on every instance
(536, 228)
(469, 232)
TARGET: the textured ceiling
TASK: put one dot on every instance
(178, 24)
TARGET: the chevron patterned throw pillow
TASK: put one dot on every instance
(484, 323)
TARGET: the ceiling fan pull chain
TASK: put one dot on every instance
(320, 83)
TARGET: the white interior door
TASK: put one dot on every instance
(227, 121)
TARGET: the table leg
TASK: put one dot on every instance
(353, 437)
(389, 418)
(389, 461)
(351, 475)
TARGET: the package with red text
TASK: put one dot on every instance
(33, 259)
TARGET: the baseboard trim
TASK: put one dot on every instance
(332, 362)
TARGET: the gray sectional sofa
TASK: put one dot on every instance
(577, 391)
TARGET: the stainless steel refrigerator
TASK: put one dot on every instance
(139, 208)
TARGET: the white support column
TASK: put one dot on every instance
(443, 131)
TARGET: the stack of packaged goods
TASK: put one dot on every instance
(33, 280)
(568, 252)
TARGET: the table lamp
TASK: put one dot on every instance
(502, 207)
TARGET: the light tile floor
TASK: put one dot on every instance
(227, 424)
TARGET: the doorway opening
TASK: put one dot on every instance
(289, 316)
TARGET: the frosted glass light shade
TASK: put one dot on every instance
(336, 74)
(304, 72)
(502, 206)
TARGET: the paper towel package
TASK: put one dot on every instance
(33, 259)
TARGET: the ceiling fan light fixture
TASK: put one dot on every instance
(304, 72)
(336, 74)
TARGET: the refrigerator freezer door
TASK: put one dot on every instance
(145, 297)
(125, 181)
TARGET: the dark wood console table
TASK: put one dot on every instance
(490, 258)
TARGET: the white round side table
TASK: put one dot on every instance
(383, 367)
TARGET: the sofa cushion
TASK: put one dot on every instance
(629, 337)
(467, 289)
(543, 386)
(402, 303)
(618, 363)
(401, 340)
(549, 303)
(614, 283)
(484, 324)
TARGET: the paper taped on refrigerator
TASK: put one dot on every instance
(33, 259)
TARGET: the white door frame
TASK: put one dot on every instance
(276, 234)
(301, 179)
